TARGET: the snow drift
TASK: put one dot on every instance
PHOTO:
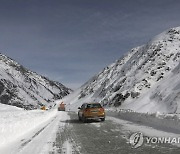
(146, 79)
(16, 122)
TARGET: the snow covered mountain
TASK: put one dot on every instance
(23, 88)
(146, 79)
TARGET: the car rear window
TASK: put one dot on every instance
(94, 106)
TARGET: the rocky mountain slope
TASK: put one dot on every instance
(147, 79)
(23, 88)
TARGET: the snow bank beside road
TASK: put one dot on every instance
(15, 122)
(165, 122)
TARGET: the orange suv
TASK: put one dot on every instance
(89, 111)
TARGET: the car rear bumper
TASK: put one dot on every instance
(95, 117)
(60, 109)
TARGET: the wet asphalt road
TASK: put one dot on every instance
(97, 137)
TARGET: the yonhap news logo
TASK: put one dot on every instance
(137, 139)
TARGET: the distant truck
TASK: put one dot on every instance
(43, 108)
(61, 107)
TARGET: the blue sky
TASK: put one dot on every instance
(71, 40)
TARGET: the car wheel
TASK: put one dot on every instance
(103, 119)
(84, 119)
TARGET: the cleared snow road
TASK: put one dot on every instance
(107, 137)
(65, 134)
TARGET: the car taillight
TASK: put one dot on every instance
(101, 109)
(86, 110)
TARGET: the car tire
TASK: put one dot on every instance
(84, 119)
(103, 119)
